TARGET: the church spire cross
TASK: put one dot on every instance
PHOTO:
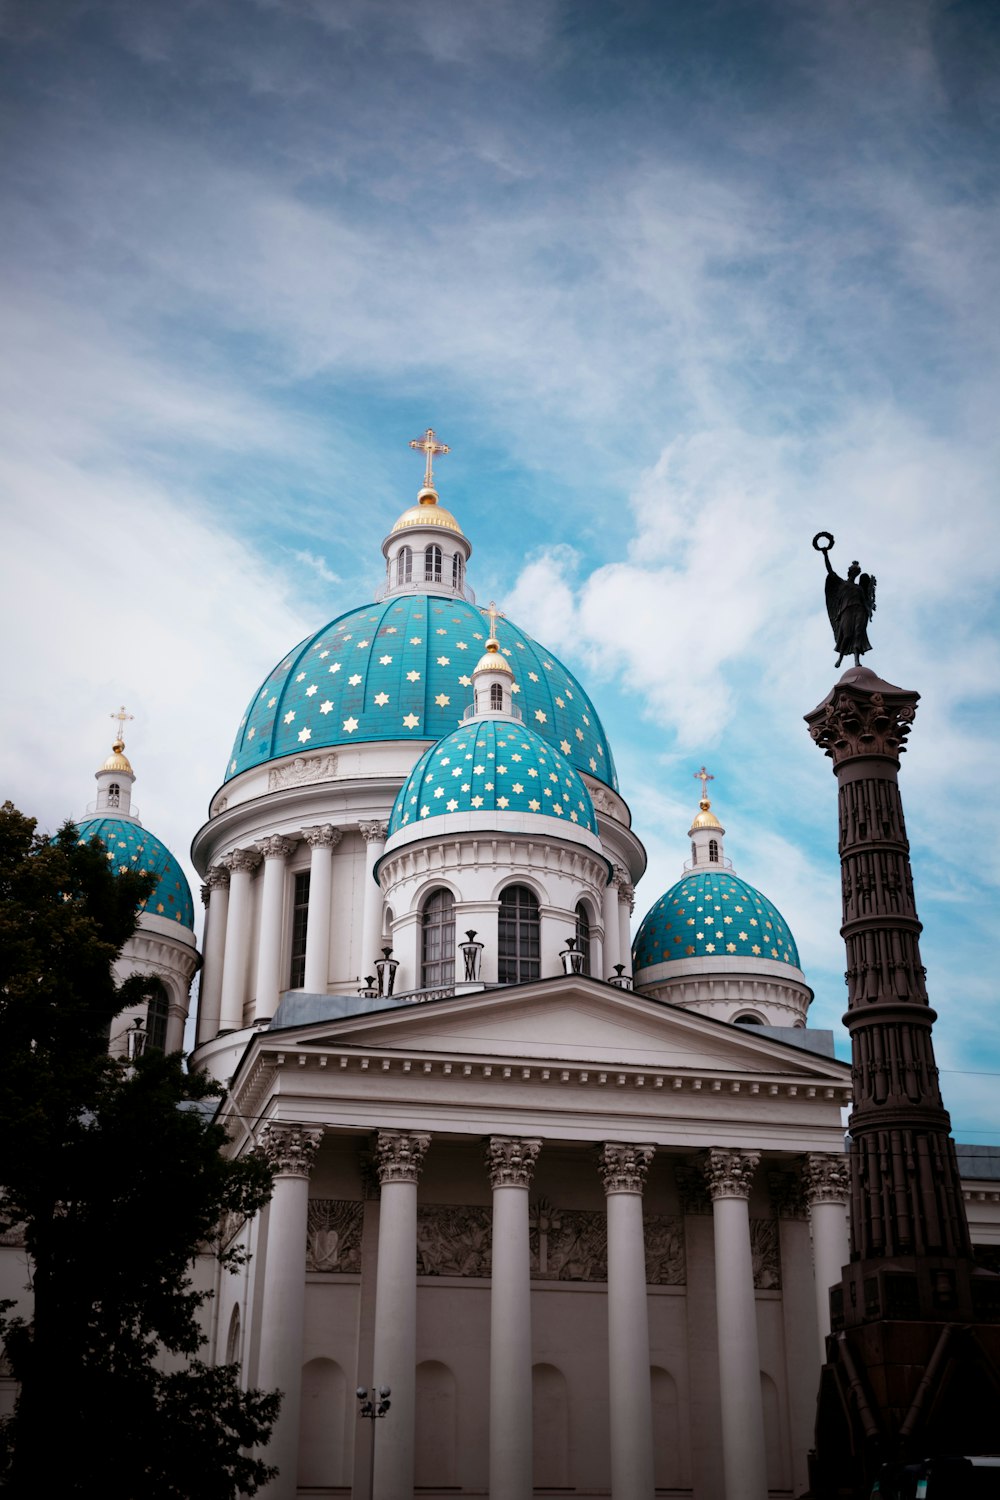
(494, 615)
(123, 718)
(704, 778)
(430, 447)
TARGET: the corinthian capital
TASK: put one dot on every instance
(623, 1166)
(276, 847)
(322, 836)
(827, 1177)
(289, 1149)
(865, 716)
(245, 860)
(511, 1160)
(375, 832)
(729, 1174)
(400, 1155)
(215, 879)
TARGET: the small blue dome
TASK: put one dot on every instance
(132, 847)
(402, 670)
(712, 915)
(488, 766)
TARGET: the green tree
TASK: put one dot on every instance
(115, 1176)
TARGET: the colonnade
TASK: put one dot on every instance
(228, 895)
(727, 1175)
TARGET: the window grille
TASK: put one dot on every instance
(300, 928)
(432, 564)
(519, 934)
(156, 1019)
(404, 565)
(437, 958)
(583, 935)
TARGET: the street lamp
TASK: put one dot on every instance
(373, 1408)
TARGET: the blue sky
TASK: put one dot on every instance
(681, 284)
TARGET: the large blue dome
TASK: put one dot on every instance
(132, 847)
(712, 914)
(493, 766)
(402, 670)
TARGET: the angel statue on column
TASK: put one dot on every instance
(850, 603)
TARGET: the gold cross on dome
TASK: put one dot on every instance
(430, 446)
(704, 778)
(495, 615)
(122, 718)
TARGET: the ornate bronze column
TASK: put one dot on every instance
(911, 1273)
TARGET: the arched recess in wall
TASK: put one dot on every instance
(322, 1461)
(669, 1442)
(550, 1427)
(234, 1352)
(774, 1444)
(435, 1460)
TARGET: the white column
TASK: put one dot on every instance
(744, 1460)
(322, 841)
(612, 930)
(290, 1151)
(215, 894)
(275, 851)
(241, 864)
(176, 1017)
(511, 1163)
(624, 1168)
(400, 1155)
(371, 919)
(626, 903)
(827, 1184)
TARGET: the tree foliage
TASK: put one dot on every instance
(115, 1178)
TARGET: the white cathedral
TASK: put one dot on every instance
(575, 1200)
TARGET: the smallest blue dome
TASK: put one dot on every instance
(713, 915)
(132, 847)
(493, 766)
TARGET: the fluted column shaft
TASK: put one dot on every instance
(322, 841)
(290, 1150)
(511, 1164)
(275, 851)
(744, 1458)
(241, 864)
(371, 920)
(623, 1169)
(612, 930)
(400, 1155)
(215, 894)
(827, 1188)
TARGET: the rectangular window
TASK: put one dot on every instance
(300, 925)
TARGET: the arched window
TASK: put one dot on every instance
(583, 936)
(496, 696)
(404, 565)
(694, 852)
(456, 571)
(713, 851)
(234, 1342)
(432, 564)
(747, 1020)
(519, 935)
(300, 930)
(156, 1018)
(114, 794)
(437, 959)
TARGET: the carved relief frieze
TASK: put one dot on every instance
(453, 1240)
(764, 1249)
(568, 1245)
(666, 1263)
(333, 1235)
(301, 770)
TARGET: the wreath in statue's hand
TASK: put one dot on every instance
(820, 537)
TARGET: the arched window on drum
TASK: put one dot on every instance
(519, 934)
(437, 955)
(583, 935)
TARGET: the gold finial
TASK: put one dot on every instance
(123, 718)
(704, 778)
(429, 446)
(494, 615)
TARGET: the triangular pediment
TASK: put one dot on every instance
(573, 1021)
